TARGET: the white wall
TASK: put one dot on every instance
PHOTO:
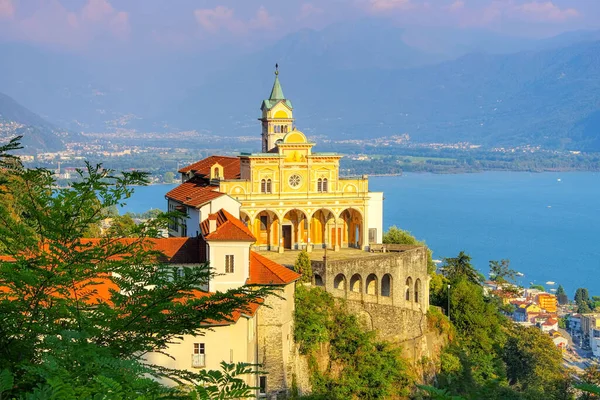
(241, 255)
(193, 222)
(225, 202)
(221, 343)
(375, 213)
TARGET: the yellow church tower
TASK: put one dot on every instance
(277, 116)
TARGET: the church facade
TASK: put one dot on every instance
(291, 197)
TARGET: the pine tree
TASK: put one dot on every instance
(303, 266)
(561, 295)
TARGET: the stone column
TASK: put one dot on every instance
(336, 246)
(365, 230)
(308, 238)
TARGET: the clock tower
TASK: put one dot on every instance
(277, 116)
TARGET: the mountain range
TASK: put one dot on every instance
(38, 134)
(353, 81)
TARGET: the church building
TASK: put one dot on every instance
(290, 196)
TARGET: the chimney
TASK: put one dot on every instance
(212, 225)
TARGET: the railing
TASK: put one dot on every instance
(198, 360)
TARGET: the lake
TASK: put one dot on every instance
(547, 224)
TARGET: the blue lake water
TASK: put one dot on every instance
(548, 228)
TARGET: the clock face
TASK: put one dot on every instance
(294, 181)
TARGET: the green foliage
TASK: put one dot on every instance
(438, 321)
(590, 383)
(584, 303)
(312, 317)
(460, 267)
(360, 366)
(561, 295)
(59, 338)
(538, 287)
(303, 266)
(168, 177)
(394, 235)
(437, 394)
(226, 384)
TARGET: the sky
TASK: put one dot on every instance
(193, 26)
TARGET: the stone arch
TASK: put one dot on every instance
(238, 190)
(417, 291)
(408, 288)
(356, 283)
(245, 218)
(339, 282)
(318, 280)
(365, 320)
(371, 284)
(386, 285)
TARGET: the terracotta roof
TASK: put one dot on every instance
(231, 167)
(176, 250)
(266, 272)
(194, 193)
(550, 322)
(229, 228)
(249, 310)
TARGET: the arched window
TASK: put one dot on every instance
(417, 290)
(263, 186)
(371, 284)
(318, 280)
(217, 173)
(319, 185)
(408, 287)
(339, 282)
(325, 189)
(386, 285)
(356, 283)
(269, 186)
(284, 128)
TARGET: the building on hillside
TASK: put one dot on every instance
(547, 302)
(263, 334)
(575, 323)
(590, 328)
(291, 197)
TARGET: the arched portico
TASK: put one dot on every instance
(322, 222)
(265, 227)
(294, 230)
(353, 228)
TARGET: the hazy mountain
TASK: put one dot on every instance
(362, 79)
(38, 134)
(548, 97)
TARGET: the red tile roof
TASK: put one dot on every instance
(194, 193)
(231, 167)
(266, 272)
(176, 250)
(249, 310)
(229, 228)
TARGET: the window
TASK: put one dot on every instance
(372, 235)
(285, 128)
(198, 356)
(269, 186)
(325, 189)
(320, 185)
(262, 385)
(229, 264)
(263, 186)
(173, 220)
(178, 272)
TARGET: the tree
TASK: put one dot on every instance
(52, 312)
(303, 266)
(561, 295)
(460, 267)
(123, 226)
(538, 287)
(582, 299)
(501, 272)
(169, 177)
(394, 235)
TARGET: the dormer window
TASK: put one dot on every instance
(216, 172)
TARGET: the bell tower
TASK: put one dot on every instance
(277, 116)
